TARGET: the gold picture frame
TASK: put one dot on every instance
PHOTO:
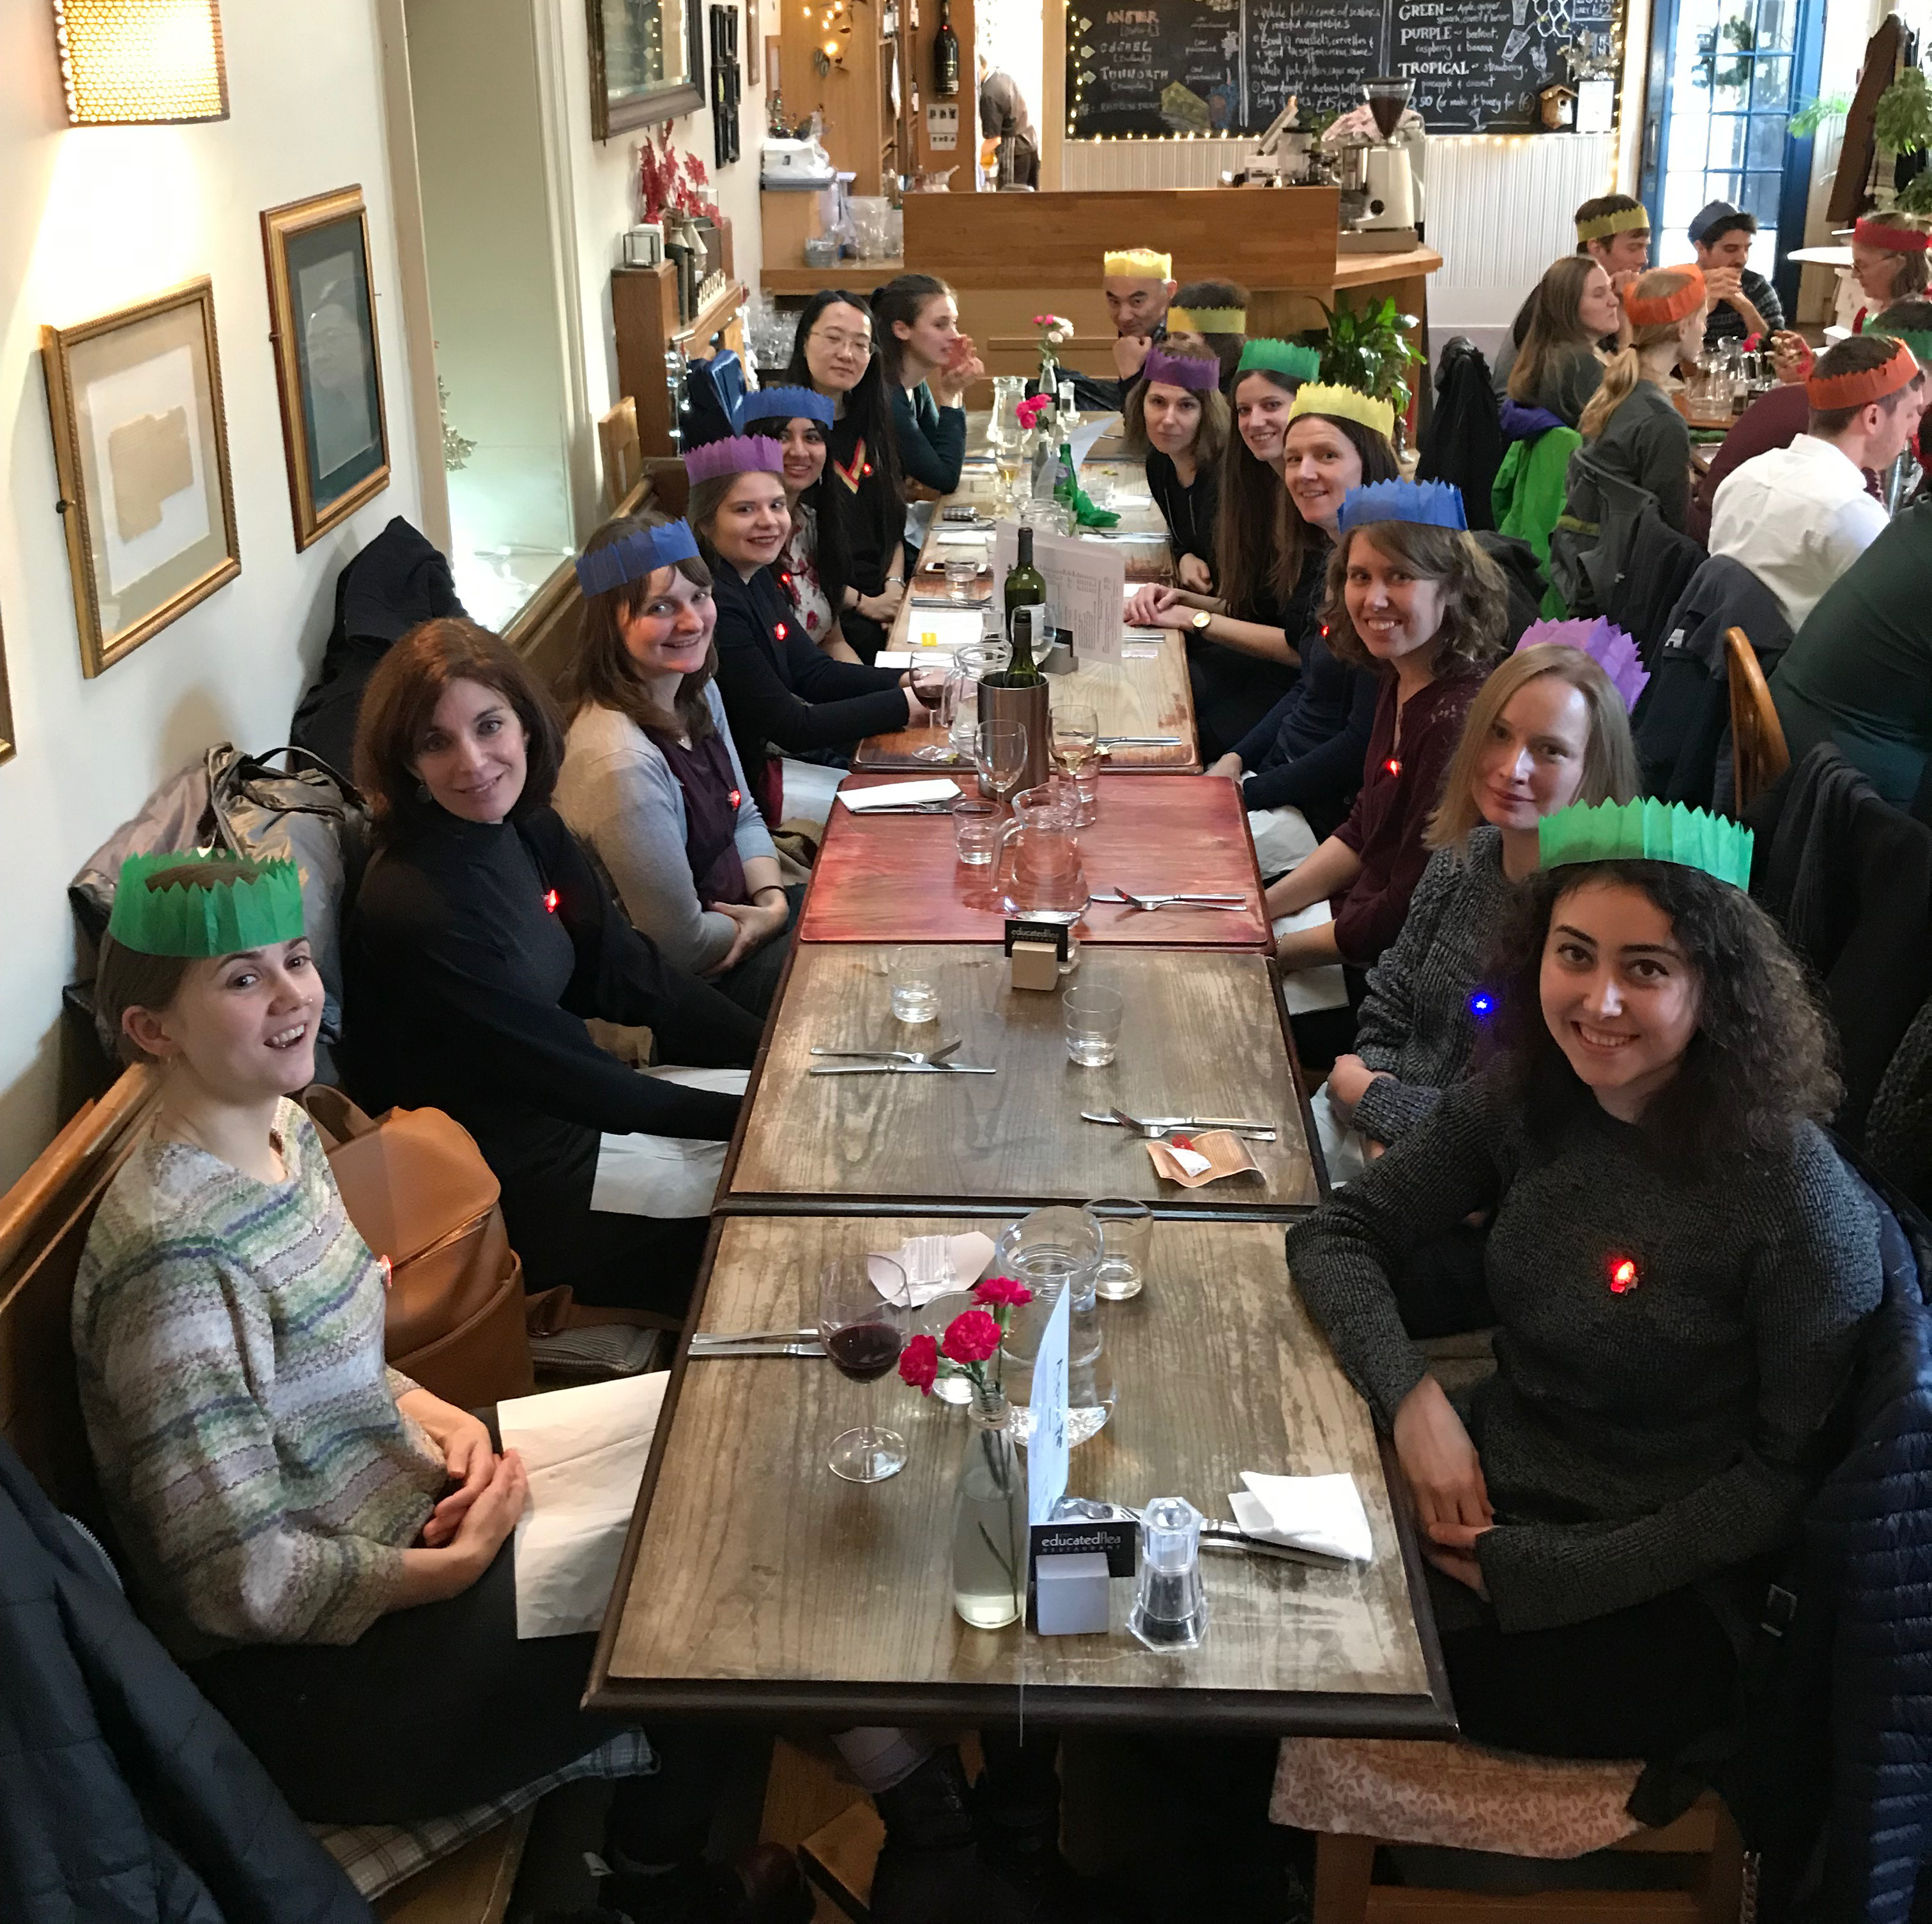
(7, 745)
(141, 448)
(329, 361)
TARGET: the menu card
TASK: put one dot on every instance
(1086, 582)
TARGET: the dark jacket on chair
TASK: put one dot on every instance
(1662, 563)
(124, 1794)
(1464, 444)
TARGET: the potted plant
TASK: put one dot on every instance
(1369, 349)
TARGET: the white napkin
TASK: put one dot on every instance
(1307, 990)
(585, 1449)
(893, 657)
(892, 793)
(1191, 1160)
(666, 1177)
(961, 538)
(1319, 1513)
(924, 1260)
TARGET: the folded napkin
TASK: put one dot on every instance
(1192, 1161)
(1088, 516)
(1324, 1514)
(937, 1264)
(1305, 990)
(896, 794)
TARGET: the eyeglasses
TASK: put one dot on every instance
(859, 343)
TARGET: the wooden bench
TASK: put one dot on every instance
(44, 1219)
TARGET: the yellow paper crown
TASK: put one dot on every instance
(1601, 226)
(1207, 320)
(1138, 264)
(1345, 403)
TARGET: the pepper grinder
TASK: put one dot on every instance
(1171, 1611)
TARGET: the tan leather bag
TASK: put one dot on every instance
(415, 1186)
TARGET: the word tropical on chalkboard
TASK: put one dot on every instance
(1227, 67)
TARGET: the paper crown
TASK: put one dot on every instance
(1603, 642)
(1655, 310)
(1714, 214)
(1862, 385)
(1137, 264)
(1646, 831)
(785, 404)
(742, 454)
(1344, 404)
(1198, 373)
(1919, 339)
(1601, 226)
(1279, 356)
(263, 906)
(1876, 231)
(1434, 504)
(1207, 320)
(635, 556)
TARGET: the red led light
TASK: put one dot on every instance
(735, 798)
(1392, 766)
(867, 468)
(779, 631)
(550, 899)
(1623, 1276)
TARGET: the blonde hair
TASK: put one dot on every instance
(1626, 366)
(1609, 761)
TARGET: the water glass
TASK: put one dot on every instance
(914, 975)
(976, 831)
(961, 577)
(1126, 1230)
(1093, 1017)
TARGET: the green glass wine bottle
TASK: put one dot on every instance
(1026, 588)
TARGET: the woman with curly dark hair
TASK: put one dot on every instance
(1411, 597)
(1680, 1264)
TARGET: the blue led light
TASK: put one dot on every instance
(1482, 1003)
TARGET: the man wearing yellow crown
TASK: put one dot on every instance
(1138, 283)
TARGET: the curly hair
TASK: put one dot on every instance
(1475, 599)
(1763, 1054)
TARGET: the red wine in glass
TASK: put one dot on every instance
(865, 1310)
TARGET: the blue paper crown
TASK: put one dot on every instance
(1433, 503)
(785, 404)
(635, 556)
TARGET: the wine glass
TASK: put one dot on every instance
(1000, 754)
(865, 1311)
(1076, 753)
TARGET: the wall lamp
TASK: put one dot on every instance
(128, 63)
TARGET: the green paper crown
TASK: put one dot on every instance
(1646, 831)
(265, 908)
(1282, 357)
(1919, 339)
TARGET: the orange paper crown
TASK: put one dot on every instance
(1655, 310)
(1863, 385)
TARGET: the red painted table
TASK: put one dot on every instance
(895, 878)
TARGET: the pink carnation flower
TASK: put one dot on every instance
(971, 1337)
(919, 1364)
(997, 1290)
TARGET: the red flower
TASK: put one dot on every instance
(971, 1337)
(919, 1364)
(997, 1290)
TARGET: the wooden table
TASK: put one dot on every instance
(1205, 1034)
(754, 1580)
(897, 878)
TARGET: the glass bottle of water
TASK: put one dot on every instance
(989, 1518)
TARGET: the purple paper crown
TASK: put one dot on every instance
(1433, 503)
(635, 557)
(785, 404)
(1194, 372)
(742, 454)
(1604, 642)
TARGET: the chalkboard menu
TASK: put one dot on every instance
(1227, 67)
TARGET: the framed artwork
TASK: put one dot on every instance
(321, 319)
(7, 743)
(647, 62)
(141, 446)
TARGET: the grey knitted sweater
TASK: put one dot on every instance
(1416, 1026)
(1633, 1441)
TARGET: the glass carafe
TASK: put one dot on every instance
(959, 704)
(1056, 1251)
(1037, 872)
(1005, 437)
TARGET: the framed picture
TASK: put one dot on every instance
(141, 446)
(647, 62)
(7, 743)
(321, 319)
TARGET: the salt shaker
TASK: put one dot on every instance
(1171, 1611)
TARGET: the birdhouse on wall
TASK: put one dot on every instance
(1557, 106)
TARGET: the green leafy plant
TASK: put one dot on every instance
(1815, 115)
(1369, 349)
(1902, 118)
(1917, 198)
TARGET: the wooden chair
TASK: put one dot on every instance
(44, 1219)
(1759, 755)
(623, 453)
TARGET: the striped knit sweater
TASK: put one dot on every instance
(228, 1338)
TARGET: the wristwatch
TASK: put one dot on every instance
(1202, 616)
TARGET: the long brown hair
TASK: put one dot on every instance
(401, 700)
(1556, 329)
(602, 674)
(1610, 760)
(1262, 544)
(1626, 366)
(902, 298)
(1475, 599)
(1210, 438)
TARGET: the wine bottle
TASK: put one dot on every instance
(946, 54)
(1026, 588)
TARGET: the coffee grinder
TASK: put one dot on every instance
(1394, 193)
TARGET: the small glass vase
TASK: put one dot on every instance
(989, 1519)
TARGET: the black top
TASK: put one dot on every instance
(781, 691)
(1188, 511)
(1306, 752)
(1234, 691)
(870, 518)
(474, 954)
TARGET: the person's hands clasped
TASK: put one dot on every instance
(883, 607)
(1229, 766)
(1158, 605)
(1445, 1477)
(1791, 357)
(1349, 1079)
(756, 922)
(464, 1441)
(1723, 283)
(949, 384)
(490, 1518)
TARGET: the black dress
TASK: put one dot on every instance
(1234, 691)
(474, 954)
(782, 691)
(870, 522)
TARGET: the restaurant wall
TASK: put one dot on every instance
(96, 218)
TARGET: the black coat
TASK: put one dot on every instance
(1464, 444)
(124, 1797)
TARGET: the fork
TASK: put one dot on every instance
(919, 1058)
(1232, 905)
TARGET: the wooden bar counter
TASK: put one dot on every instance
(754, 1580)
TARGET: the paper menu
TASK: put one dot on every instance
(1080, 441)
(1086, 583)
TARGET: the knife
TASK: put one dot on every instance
(1140, 741)
(901, 1068)
(705, 1351)
(1183, 1122)
(1215, 1535)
